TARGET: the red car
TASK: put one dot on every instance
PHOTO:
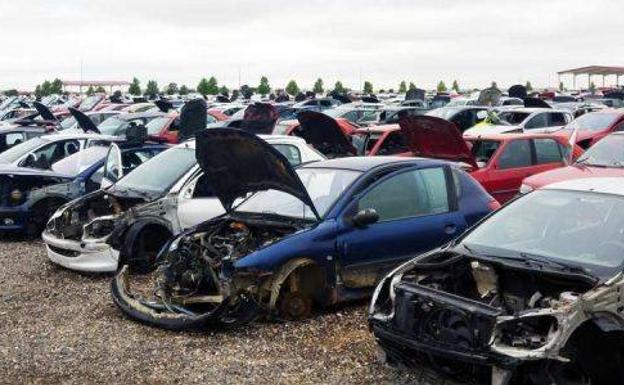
(604, 159)
(165, 128)
(498, 161)
(596, 125)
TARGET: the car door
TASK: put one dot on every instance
(113, 168)
(508, 167)
(197, 203)
(417, 211)
(548, 155)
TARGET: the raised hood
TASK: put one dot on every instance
(44, 112)
(84, 122)
(432, 137)
(193, 117)
(236, 163)
(324, 133)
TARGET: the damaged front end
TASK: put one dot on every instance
(486, 321)
(196, 282)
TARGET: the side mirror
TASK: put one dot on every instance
(365, 217)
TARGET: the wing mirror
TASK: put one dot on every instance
(365, 217)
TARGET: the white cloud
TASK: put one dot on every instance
(386, 41)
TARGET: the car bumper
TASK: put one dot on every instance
(12, 220)
(82, 256)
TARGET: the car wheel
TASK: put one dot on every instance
(295, 305)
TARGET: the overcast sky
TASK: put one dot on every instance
(474, 42)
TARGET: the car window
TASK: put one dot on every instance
(291, 153)
(325, 103)
(134, 158)
(414, 193)
(619, 127)
(13, 138)
(394, 144)
(516, 154)
(557, 119)
(483, 150)
(95, 180)
(547, 151)
(202, 189)
(351, 116)
(56, 151)
(538, 121)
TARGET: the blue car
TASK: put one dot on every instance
(30, 195)
(321, 234)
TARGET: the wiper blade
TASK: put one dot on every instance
(542, 261)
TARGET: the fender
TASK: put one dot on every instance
(282, 275)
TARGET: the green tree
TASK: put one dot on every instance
(561, 87)
(441, 86)
(172, 89)
(412, 86)
(45, 88)
(292, 88)
(223, 90)
(368, 87)
(100, 89)
(455, 86)
(246, 91)
(38, 92)
(90, 91)
(528, 86)
(11, 92)
(151, 88)
(203, 87)
(56, 87)
(135, 87)
(339, 88)
(213, 86)
(183, 90)
(264, 88)
(318, 86)
(402, 87)
(592, 87)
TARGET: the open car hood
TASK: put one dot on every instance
(193, 117)
(535, 103)
(84, 122)
(324, 133)
(44, 112)
(236, 163)
(517, 91)
(432, 137)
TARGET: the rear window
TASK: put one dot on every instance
(483, 150)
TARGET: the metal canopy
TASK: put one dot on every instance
(594, 70)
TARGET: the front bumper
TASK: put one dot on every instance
(96, 257)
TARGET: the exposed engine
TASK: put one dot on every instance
(70, 224)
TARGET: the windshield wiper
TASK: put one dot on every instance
(541, 261)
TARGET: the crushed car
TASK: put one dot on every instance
(320, 234)
(530, 295)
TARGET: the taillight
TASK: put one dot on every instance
(494, 205)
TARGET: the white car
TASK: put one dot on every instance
(534, 120)
(143, 209)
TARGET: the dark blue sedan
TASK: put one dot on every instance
(321, 234)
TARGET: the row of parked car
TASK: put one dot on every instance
(236, 222)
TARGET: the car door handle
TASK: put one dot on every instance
(450, 229)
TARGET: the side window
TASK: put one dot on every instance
(95, 143)
(463, 120)
(95, 180)
(547, 151)
(56, 151)
(394, 144)
(202, 189)
(516, 154)
(325, 103)
(290, 152)
(133, 159)
(175, 125)
(557, 119)
(538, 121)
(210, 119)
(14, 138)
(414, 193)
(351, 116)
(619, 127)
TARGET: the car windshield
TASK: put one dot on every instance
(608, 152)
(597, 121)
(570, 227)
(68, 123)
(513, 117)
(74, 164)
(444, 113)
(155, 126)
(324, 185)
(337, 112)
(16, 152)
(89, 103)
(160, 173)
(113, 126)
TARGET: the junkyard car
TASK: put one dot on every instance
(30, 195)
(531, 295)
(137, 215)
(596, 125)
(321, 234)
(528, 120)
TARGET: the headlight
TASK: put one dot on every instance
(525, 188)
(527, 332)
(16, 195)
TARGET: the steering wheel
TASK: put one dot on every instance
(611, 250)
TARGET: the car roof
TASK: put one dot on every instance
(78, 135)
(608, 185)
(366, 163)
(138, 115)
(190, 143)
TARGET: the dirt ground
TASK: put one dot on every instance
(61, 327)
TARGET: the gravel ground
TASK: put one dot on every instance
(61, 327)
